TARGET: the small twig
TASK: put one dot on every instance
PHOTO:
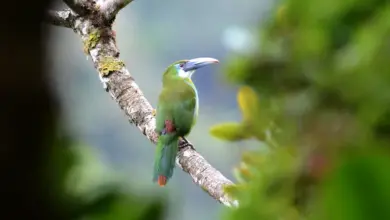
(64, 18)
(81, 7)
(109, 8)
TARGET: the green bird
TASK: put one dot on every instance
(176, 113)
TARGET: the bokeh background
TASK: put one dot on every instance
(313, 125)
(150, 36)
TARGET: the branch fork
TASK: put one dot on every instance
(92, 21)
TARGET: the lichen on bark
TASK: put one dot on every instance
(91, 41)
(108, 65)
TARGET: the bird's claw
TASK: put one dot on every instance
(186, 143)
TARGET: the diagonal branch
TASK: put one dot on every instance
(99, 43)
(64, 18)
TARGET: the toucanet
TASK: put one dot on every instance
(176, 113)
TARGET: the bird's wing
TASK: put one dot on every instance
(176, 103)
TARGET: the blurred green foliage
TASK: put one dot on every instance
(316, 93)
(72, 184)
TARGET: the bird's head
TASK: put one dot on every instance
(185, 68)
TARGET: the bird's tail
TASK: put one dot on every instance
(165, 158)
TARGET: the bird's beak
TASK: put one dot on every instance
(197, 63)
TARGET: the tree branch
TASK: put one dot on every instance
(64, 18)
(81, 7)
(109, 8)
(99, 43)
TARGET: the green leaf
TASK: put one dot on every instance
(252, 158)
(242, 173)
(230, 131)
(234, 190)
(248, 102)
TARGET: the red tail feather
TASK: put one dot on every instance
(162, 180)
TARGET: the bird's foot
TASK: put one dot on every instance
(186, 143)
(154, 112)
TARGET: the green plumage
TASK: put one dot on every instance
(177, 106)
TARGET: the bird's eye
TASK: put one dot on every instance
(182, 64)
